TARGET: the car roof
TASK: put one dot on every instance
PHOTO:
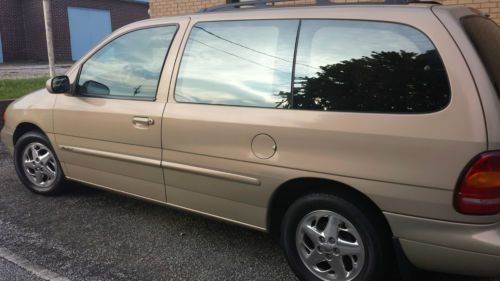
(273, 11)
(355, 11)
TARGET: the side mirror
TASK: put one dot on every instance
(58, 85)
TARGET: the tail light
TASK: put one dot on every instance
(478, 190)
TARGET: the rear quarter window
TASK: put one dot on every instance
(368, 66)
(485, 36)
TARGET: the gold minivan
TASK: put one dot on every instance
(353, 134)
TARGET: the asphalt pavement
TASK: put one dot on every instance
(11, 272)
(89, 234)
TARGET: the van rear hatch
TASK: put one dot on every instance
(485, 36)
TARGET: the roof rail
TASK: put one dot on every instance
(259, 4)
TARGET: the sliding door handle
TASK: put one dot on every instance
(143, 121)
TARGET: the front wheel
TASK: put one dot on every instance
(327, 238)
(37, 165)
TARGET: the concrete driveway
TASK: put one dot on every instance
(87, 234)
(29, 70)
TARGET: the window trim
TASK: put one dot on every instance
(294, 65)
(183, 49)
(117, 97)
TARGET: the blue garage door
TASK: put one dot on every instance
(87, 27)
(1, 49)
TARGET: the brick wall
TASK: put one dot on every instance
(23, 31)
(491, 7)
(160, 8)
(34, 28)
(12, 29)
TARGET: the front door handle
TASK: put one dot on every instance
(143, 121)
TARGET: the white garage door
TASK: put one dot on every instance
(87, 27)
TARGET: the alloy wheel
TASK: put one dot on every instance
(39, 165)
(330, 246)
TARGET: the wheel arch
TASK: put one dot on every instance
(291, 190)
(23, 128)
(33, 130)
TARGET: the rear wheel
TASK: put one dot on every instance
(327, 238)
(37, 165)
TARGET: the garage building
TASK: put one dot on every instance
(77, 26)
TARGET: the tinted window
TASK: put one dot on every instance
(128, 66)
(246, 63)
(365, 66)
(485, 35)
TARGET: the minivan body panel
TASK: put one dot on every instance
(450, 16)
(411, 151)
(35, 109)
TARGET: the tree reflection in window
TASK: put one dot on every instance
(366, 66)
(394, 82)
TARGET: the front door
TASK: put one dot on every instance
(109, 130)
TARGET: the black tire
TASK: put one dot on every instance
(56, 185)
(378, 254)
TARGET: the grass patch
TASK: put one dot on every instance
(14, 88)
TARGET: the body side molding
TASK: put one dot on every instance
(210, 173)
(111, 155)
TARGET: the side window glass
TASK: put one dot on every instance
(129, 66)
(363, 66)
(245, 63)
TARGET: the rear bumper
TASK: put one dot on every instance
(7, 138)
(443, 259)
(449, 247)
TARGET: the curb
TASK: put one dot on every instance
(3, 107)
